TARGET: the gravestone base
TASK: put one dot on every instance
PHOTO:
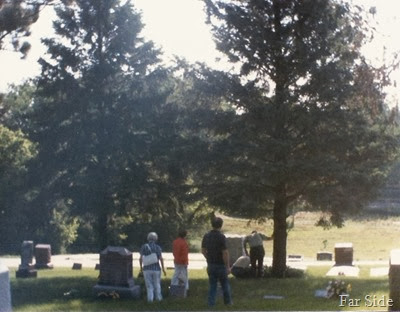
(132, 291)
(25, 273)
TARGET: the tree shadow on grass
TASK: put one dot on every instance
(51, 293)
(33, 291)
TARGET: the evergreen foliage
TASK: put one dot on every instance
(109, 149)
(300, 132)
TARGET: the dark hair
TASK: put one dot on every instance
(217, 222)
(182, 233)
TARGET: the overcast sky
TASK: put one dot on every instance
(177, 26)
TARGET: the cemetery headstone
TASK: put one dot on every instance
(77, 266)
(234, 244)
(43, 256)
(116, 273)
(5, 294)
(324, 256)
(344, 254)
(26, 268)
(394, 280)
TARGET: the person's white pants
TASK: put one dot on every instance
(152, 280)
(180, 276)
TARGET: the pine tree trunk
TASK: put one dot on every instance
(280, 235)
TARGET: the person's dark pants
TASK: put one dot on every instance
(257, 260)
(217, 273)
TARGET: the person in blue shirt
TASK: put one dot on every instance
(150, 260)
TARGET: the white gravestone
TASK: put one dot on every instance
(5, 294)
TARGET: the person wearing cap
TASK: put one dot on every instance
(149, 261)
(257, 253)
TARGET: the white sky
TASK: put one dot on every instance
(178, 27)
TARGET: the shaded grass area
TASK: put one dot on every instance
(47, 293)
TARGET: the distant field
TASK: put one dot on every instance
(372, 239)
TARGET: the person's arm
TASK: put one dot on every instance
(162, 265)
(203, 247)
(245, 246)
(225, 257)
(204, 252)
(141, 263)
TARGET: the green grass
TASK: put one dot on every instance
(46, 293)
(372, 238)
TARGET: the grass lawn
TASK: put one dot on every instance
(373, 238)
(48, 291)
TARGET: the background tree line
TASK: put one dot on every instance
(109, 143)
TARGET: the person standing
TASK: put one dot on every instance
(180, 250)
(149, 261)
(257, 253)
(214, 249)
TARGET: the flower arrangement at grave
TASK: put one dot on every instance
(336, 288)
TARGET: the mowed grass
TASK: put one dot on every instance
(373, 238)
(48, 293)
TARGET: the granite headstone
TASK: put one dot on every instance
(5, 294)
(116, 273)
(26, 268)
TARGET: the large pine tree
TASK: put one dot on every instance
(97, 118)
(297, 133)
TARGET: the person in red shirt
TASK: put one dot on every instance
(180, 250)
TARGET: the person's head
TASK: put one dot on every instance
(216, 223)
(182, 233)
(152, 237)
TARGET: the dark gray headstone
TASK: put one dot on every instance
(116, 273)
(26, 268)
(43, 256)
(77, 266)
(234, 243)
(343, 254)
(5, 294)
(324, 256)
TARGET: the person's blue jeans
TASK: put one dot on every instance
(217, 273)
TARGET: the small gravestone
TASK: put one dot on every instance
(324, 256)
(77, 266)
(295, 258)
(43, 256)
(26, 268)
(5, 294)
(394, 280)
(344, 254)
(116, 274)
(234, 243)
